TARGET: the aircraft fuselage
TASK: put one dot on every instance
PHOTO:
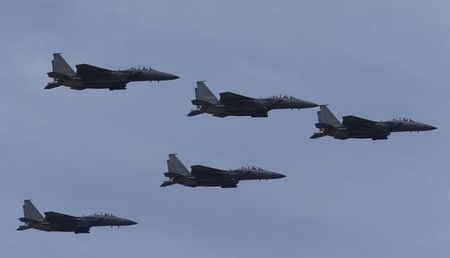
(113, 80)
(78, 224)
(228, 179)
(256, 107)
(379, 131)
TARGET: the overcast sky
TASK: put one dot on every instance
(80, 152)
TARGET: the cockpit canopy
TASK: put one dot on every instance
(251, 168)
(401, 119)
(283, 97)
(103, 215)
(142, 68)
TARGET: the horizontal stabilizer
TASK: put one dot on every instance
(20, 228)
(195, 112)
(167, 183)
(317, 135)
(57, 75)
(199, 102)
(52, 85)
(324, 126)
(172, 174)
(27, 220)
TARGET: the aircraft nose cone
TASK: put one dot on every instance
(173, 77)
(311, 104)
(128, 222)
(125, 222)
(275, 175)
(426, 127)
(167, 76)
(307, 104)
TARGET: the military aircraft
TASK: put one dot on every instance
(92, 77)
(54, 221)
(356, 127)
(207, 176)
(232, 104)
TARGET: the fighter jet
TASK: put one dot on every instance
(92, 77)
(356, 127)
(54, 221)
(207, 176)
(232, 104)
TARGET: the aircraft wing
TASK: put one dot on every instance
(357, 122)
(55, 216)
(205, 172)
(89, 69)
(260, 114)
(233, 98)
(118, 85)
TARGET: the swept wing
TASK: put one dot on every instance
(200, 171)
(357, 122)
(234, 99)
(85, 69)
(57, 217)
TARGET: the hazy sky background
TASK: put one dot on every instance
(80, 152)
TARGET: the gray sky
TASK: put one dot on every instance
(100, 151)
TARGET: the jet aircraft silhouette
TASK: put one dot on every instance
(357, 127)
(232, 104)
(54, 221)
(208, 176)
(92, 77)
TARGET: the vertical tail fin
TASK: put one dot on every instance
(60, 65)
(175, 166)
(202, 93)
(30, 212)
(326, 118)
